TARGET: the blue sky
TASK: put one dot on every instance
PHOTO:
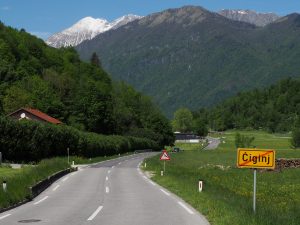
(45, 17)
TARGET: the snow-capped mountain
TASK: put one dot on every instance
(86, 29)
(249, 16)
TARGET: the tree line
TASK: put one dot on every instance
(27, 141)
(274, 109)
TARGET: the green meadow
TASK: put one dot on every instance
(227, 193)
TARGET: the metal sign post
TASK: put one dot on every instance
(68, 155)
(254, 190)
(164, 166)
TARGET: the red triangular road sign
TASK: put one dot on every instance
(165, 156)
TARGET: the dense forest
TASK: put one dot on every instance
(275, 109)
(81, 94)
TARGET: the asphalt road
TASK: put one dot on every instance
(213, 143)
(114, 192)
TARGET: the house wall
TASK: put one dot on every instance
(188, 141)
(17, 116)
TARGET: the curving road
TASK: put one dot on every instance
(213, 143)
(114, 192)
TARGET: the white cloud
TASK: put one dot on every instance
(41, 34)
(5, 8)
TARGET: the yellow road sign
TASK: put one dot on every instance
(256, 158)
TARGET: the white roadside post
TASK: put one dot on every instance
(200, 185)
(4, 186)
(68, 150)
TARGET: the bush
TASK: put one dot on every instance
(243, 141)
(32, 141)
(296, 138)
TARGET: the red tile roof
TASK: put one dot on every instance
(43, 116)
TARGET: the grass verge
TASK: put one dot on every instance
(227, 195)
(19, 180)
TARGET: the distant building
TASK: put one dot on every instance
(186, 137)
(33, 114)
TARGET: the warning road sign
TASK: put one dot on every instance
(256, 158)
(165, 156)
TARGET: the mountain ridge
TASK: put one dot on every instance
(250, 16)
(197, 59)
(86, 29)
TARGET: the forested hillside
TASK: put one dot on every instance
(275, 109)
(80, 94)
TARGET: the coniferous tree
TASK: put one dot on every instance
(95, 60)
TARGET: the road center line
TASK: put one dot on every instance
(107, 189)
(7, 215)
(113, 167)
(66, 178)
(54, 189)
(43, 199)
(186, 208)
(95, 213)
(106, 178)
(108, 171)
(166, 193)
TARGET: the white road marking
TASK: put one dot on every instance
(107, 189)
(151, 182)
(113, 167)
(119, 163)
(186, 208)
(166, 193)
(43, 199)
(7, 215)
(106, 178)
(72, 174)
(108, 171)
(66, 178)
(144, 177)
(95, 213)
(54, 189)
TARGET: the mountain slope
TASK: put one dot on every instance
(192, 57)
(249, 16)
(86, 29)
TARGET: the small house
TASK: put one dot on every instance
(33, 114)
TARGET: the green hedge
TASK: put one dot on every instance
(33, 141)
